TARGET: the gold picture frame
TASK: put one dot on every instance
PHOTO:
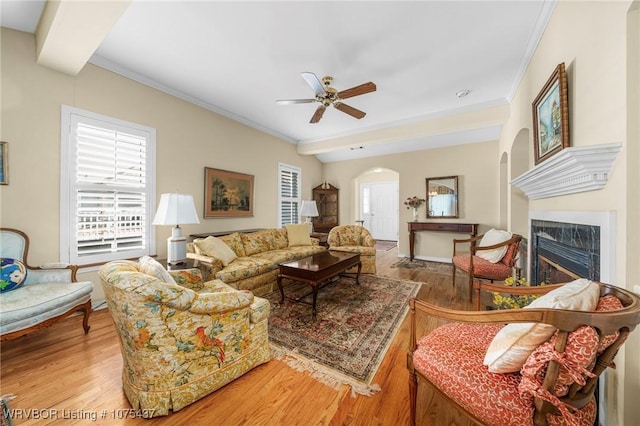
(4, 163)
(227, 194)
(551, 116)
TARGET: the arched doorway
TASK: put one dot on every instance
(377, 192)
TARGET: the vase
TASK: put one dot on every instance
(415, 214)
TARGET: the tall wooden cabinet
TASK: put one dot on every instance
(327, 201)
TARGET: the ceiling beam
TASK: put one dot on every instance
(418, 130)
(70, 31)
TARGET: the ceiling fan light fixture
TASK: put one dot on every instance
(327, 96)
(462, 93)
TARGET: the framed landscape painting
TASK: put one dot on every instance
(227, 194)
(551, 116)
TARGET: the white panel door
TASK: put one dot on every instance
(379, 209)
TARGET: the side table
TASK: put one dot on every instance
(187, 264)
(205, 268)
(322, 237)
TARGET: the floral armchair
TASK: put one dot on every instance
(541, 368)
(355, 239)
(181, 340)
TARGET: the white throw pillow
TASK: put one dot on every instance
(150, 266)
(215, 247)
(298, 234)
(511, 347)
(492, 237)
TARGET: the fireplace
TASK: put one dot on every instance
(570, 245)
(562, 252)
(584, 242)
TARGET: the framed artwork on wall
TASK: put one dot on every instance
(227, 194)
(551, 116)
(4, 163)
(442, 197)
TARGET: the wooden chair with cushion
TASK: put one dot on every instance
(490, 256)
(541, 368)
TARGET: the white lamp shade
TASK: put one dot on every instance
(309, 208)
(176, 209)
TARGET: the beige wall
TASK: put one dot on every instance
(591, 39)
(188, 139)
(632, 347)
(477, 183)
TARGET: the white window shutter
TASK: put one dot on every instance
(111, 189)
(289, 187)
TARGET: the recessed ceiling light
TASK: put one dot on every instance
(461, 94)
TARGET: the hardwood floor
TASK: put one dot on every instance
(77, 376)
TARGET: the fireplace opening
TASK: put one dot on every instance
(563, 252)
(551, 272)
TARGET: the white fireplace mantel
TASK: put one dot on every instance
(574, 169)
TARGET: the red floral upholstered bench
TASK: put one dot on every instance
(541, 368)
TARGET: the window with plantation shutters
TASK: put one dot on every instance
(107, 188)
(289, 191)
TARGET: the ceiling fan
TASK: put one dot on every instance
(327, 95)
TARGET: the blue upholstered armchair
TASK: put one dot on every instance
(34, 297)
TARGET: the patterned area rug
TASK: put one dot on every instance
(433, 267)
(385, 245)
(355, 326)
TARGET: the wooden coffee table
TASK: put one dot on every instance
(317, 271)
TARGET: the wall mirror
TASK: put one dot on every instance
(442, 197)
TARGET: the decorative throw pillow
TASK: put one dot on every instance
(298, 234)
(490, 238)
(513, 344)
(13, 275)
(150, 266)
(234, 241)
(608, 303)
(215, 247)
(579, 353)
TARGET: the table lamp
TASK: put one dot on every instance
(309, 210)
(176, 209)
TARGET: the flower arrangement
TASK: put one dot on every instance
(513, 301)
(414, 202)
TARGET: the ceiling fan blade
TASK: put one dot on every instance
(357, 90)
(354, 112)
(318, 114)
(313, 81)
(294, 101)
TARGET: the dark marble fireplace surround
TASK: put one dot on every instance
(575, 248)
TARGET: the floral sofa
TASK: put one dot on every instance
(181, 337)
(254, 262)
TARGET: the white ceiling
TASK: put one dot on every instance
(238, 58)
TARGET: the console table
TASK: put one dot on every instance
(223, 233)
(465, 228)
